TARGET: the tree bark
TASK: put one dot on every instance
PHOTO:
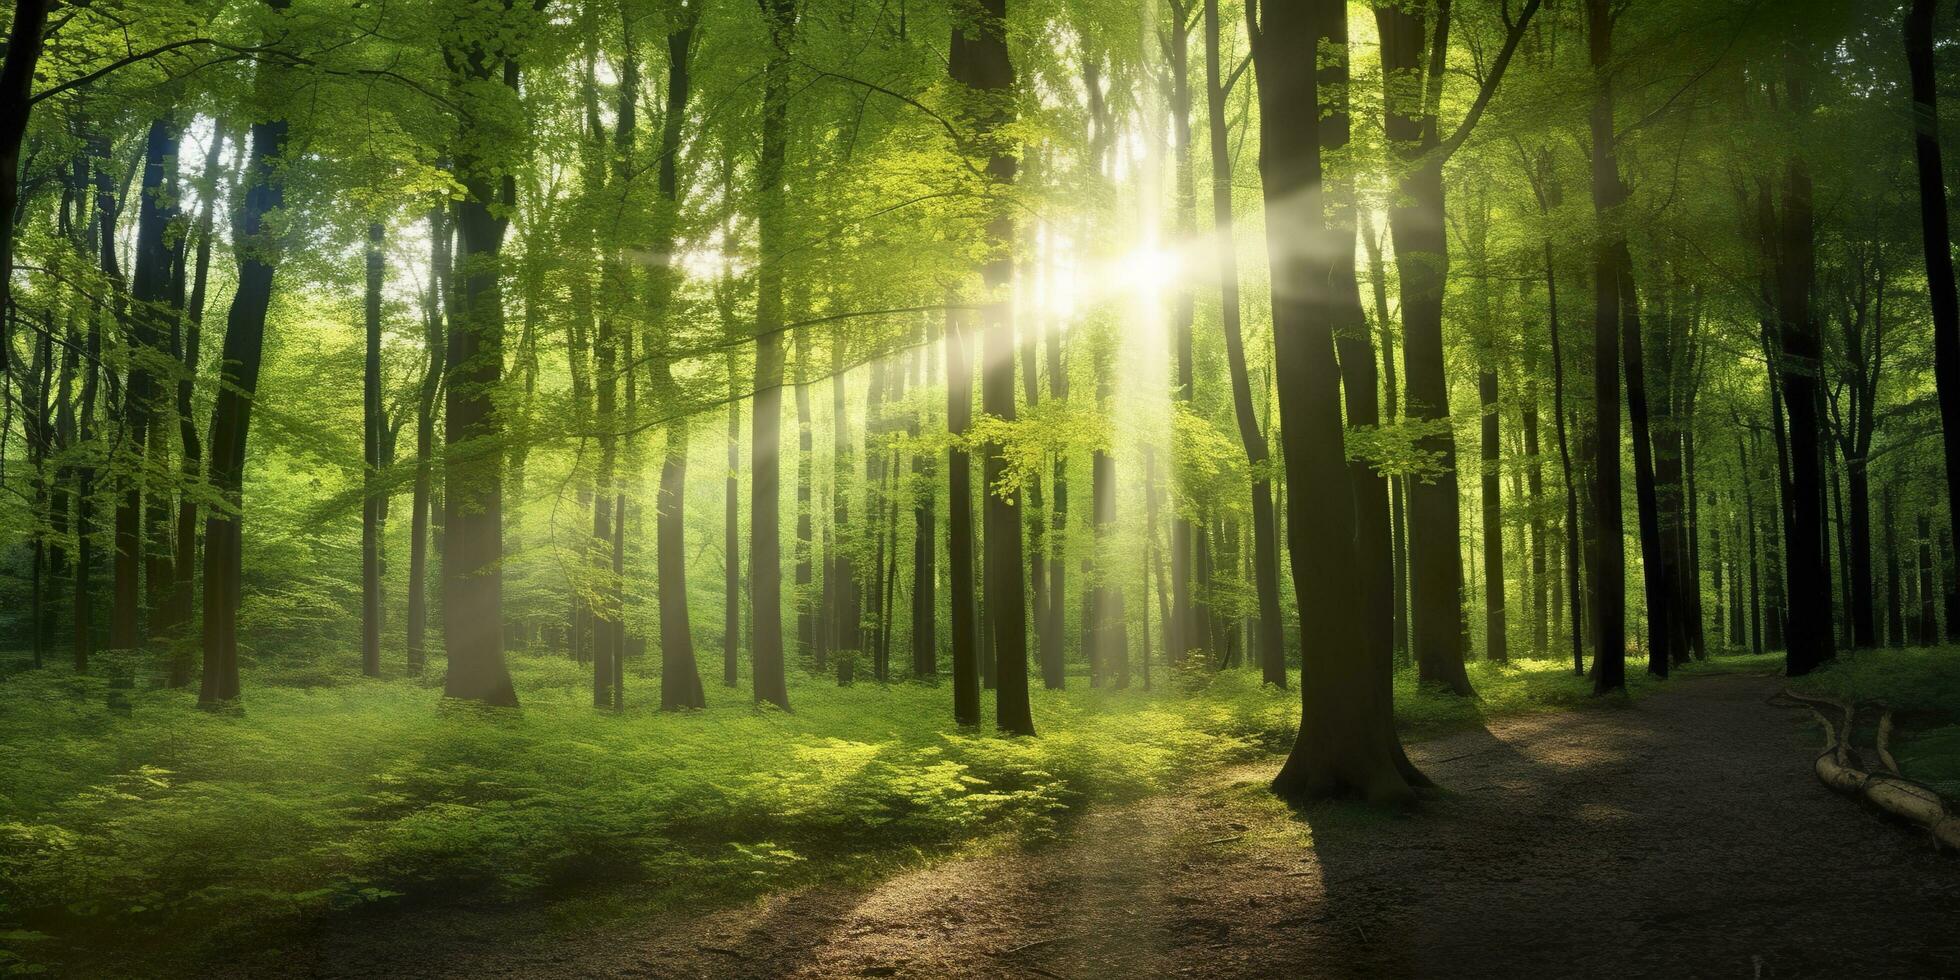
(372, 424)
(24, 46)
(1609, 558)
(1653, 560)
(1794, 273)
(980, 62)
(1496, 646)
(1421, 259)
(435, 342)
(959, 523)
(765, 534)
(1269, 637)
(239, 379)
(149, 313)
(1895, 623)
(472, 478)
(1347, 742)
(1943, 294)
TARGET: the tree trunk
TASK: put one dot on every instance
(1811, 644)
(1935, 236)
(24, 45)
(1269, 638)
(1608, 554)
(1950, 584)
(731, 548)
(680, 679)
(1347, 741)
(1653, 560)
(959, 523)
(807, 644)
(1397, 485)
(472, 478)
(1895, 624)
(149, 314)
(232, 415)
(184, 584)
(1495, 646)
(980, 62)
(372, 424)
(434, 336)
(1534, 498)
(765, 533)
(1421, 259)
(1929, 630)
(925, 546)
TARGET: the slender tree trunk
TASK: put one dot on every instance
(959, 523)
(765, 534)
(24, 45)
(1608, 549)
(980, 62)
(731, 548)
(806, 614)
(1536, 588)
(1929, 630)
(1934, 234)
(1269, 639)
(925, 546)
(1895, 623)
(1950, 584)
(371, 427)
(184, 584)
(680, 678)
(434, 336)
(1397, 485)
(1811, 644)
(149, 312)
(1653, 561)
(1495, 628)
(1421, 258)
(231, 418)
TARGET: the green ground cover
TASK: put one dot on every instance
(1922, 687)
(331, 791)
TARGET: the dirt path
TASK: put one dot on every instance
(1681, 836)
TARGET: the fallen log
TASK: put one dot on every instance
(1840, 769)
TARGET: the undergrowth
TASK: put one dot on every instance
(329, 791)
(1922, 687)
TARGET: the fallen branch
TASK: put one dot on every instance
(1839, 769)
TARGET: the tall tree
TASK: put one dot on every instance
(244, 346)
(1935, 235)
(959, 521)
(1412, 97)
(980, 62)
(1608, 555)
(680, 676)
(1789, 238)
(1347, 741)
(765, 532)
(472, 459)
(1270, 640)
(372, 425)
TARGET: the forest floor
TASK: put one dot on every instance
(1681, 834)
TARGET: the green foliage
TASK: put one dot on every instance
(323, 798)
(1922, 688)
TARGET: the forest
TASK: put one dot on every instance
(478, 469)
